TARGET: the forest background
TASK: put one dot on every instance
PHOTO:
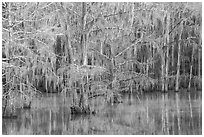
(95, 49)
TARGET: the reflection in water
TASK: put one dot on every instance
(178, 113)
(156, 113)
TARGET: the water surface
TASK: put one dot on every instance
(150, 113)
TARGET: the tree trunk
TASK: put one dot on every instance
(163, 73)
(132, 12)
(101, 50)
(172, 40)
(83, 95)
(84, 35)
(68, 43)
(163, 57)
(199, 59)
(167, 53)
(172, 56)
(178, 60)
(199, 67)
(191, 69)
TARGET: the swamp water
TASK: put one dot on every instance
(152, 113)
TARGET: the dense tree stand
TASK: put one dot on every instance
(94, 50)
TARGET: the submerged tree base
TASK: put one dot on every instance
(27, 106)
(116, 100)
(10, 117)
(81, 110)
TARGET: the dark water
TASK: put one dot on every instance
(172, 113)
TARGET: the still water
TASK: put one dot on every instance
(152, 113)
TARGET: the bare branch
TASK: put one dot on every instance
(134, 44)
(100, 54)
(5, 29)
